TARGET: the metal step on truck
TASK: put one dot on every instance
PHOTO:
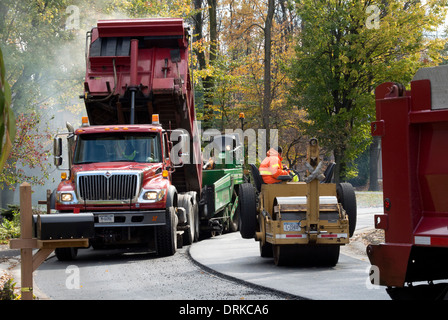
(134, 163)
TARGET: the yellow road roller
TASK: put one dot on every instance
(300, 223)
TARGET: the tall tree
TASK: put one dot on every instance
(32, 37)
(7, 118)
(347, 48)
(267, 96)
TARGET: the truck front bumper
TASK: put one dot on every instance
(129, 218)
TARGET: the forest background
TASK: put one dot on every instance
(308, 68)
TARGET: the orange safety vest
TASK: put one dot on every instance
(271, 167)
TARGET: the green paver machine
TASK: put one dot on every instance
(222, 177)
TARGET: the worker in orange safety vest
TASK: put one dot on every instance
(272, 167)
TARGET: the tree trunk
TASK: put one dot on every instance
(212, 11)
(198, 24)
(267, 97)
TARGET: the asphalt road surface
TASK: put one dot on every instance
(121, 275)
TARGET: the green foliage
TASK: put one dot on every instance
(10, 228)
(7, 285)
(340, 59)
(39, 70)
(152, 8)
(31, 151)
(32, 34)
(7, 120)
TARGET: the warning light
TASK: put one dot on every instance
(63, 175)
(387, 204)
(155, 119)
(84, 122)
(165, 173)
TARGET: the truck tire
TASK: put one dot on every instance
(248, 210)
(196, 221)
(346, 196)
(185, 202)
(66, 254)
(195, 214)
(166, 235)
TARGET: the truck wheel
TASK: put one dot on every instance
(248, 210)
(188, 235)
(66, 254)
(195, 215)
(196, 221)
(346, 197)
(167, 235)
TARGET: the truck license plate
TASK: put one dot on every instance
(291, 226)
(106, 218)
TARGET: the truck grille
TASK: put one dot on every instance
(108, 186)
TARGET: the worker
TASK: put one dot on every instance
(272, 167)
(125, 150)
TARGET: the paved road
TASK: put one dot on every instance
(117, 274)
(240, 258)
(122, 275)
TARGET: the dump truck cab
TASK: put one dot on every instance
(122, 166)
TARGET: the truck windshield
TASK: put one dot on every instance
(136, 147)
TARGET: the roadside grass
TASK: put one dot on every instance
(369, 199)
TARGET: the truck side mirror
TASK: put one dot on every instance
(57, 151)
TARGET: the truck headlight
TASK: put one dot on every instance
(154, 195)
(66, 197)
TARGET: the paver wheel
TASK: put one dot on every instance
(346, 197)
(266, 250)
(248, 210)
(306, 255)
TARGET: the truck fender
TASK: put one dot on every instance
(171, 197)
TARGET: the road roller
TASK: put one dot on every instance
(300, 223)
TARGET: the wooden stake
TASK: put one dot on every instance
(26, 254)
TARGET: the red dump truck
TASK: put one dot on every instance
(413, 126)
(124, 163)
